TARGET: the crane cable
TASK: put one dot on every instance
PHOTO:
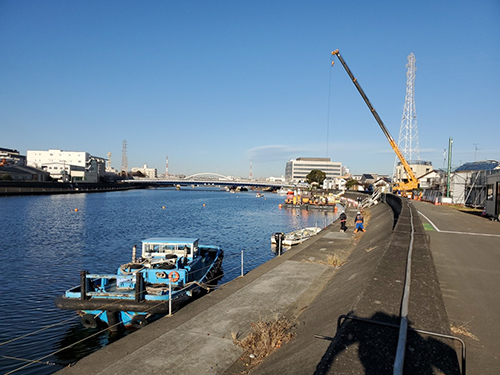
(328, 110)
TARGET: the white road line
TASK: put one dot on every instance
(429, 220)
(453, 232)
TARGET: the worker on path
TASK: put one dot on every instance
(343, 219)
(359, 222)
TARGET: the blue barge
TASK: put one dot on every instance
(169, 272)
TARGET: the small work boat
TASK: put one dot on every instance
(298, 236)
(259, 195)
(170, 272)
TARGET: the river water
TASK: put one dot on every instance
(47, 240)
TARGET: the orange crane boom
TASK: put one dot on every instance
(412, 179)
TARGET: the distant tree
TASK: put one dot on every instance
(138, 174)
(351, 183)
(316, 176)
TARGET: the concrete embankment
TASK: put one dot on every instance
(8, 188)
(299, 285)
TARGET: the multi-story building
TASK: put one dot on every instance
(68, 165)
(419, 168)
(146, 171)
(298, 169)
(12, 157)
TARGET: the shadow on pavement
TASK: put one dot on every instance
(373, 347)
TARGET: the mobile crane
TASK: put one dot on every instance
(405, 188)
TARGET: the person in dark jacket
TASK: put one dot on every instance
(343, 219)
(359, 223)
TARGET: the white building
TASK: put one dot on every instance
(298, 169)
(419, 168)
(68, 165)
(276, 179)
(146, 171)
(12, 157)
(336, 183)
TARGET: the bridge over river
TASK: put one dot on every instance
(208, 179)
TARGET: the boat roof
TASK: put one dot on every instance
(173, 240)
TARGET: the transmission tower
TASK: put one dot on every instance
(408, 133)
(124, 157)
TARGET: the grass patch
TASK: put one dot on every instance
(469, 210)
(264, 339)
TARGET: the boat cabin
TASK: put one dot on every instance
(168, 247)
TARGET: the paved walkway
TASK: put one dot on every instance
(466, 251)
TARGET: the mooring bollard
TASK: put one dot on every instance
(83, 285)
(279, 243)
(134, 253)
(139, 287)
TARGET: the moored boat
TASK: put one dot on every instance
(297, 236)
(169, 273)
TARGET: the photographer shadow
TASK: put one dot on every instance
(376, 350)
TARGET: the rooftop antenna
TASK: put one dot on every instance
(124, 157)
(475, 151)
(408, 133)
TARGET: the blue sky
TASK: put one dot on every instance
(215, 84)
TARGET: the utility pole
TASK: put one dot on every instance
(449, 168)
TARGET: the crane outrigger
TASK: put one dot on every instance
(405, 188)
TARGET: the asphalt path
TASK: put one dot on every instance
(466, 251)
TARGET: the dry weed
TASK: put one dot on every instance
(371, 248)
(335, 260)
(265, 338)
(463, 331)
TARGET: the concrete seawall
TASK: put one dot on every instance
(370, 285)
(197, 340)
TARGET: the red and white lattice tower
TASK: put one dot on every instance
(408, 133)
(166, 167)
(250, 176)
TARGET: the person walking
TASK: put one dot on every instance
(343, 219)
(359, 220)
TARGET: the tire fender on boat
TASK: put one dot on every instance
(139, 321)
(173, 276)
(89, 321)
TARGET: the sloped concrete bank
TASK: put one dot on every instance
(370, 285)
